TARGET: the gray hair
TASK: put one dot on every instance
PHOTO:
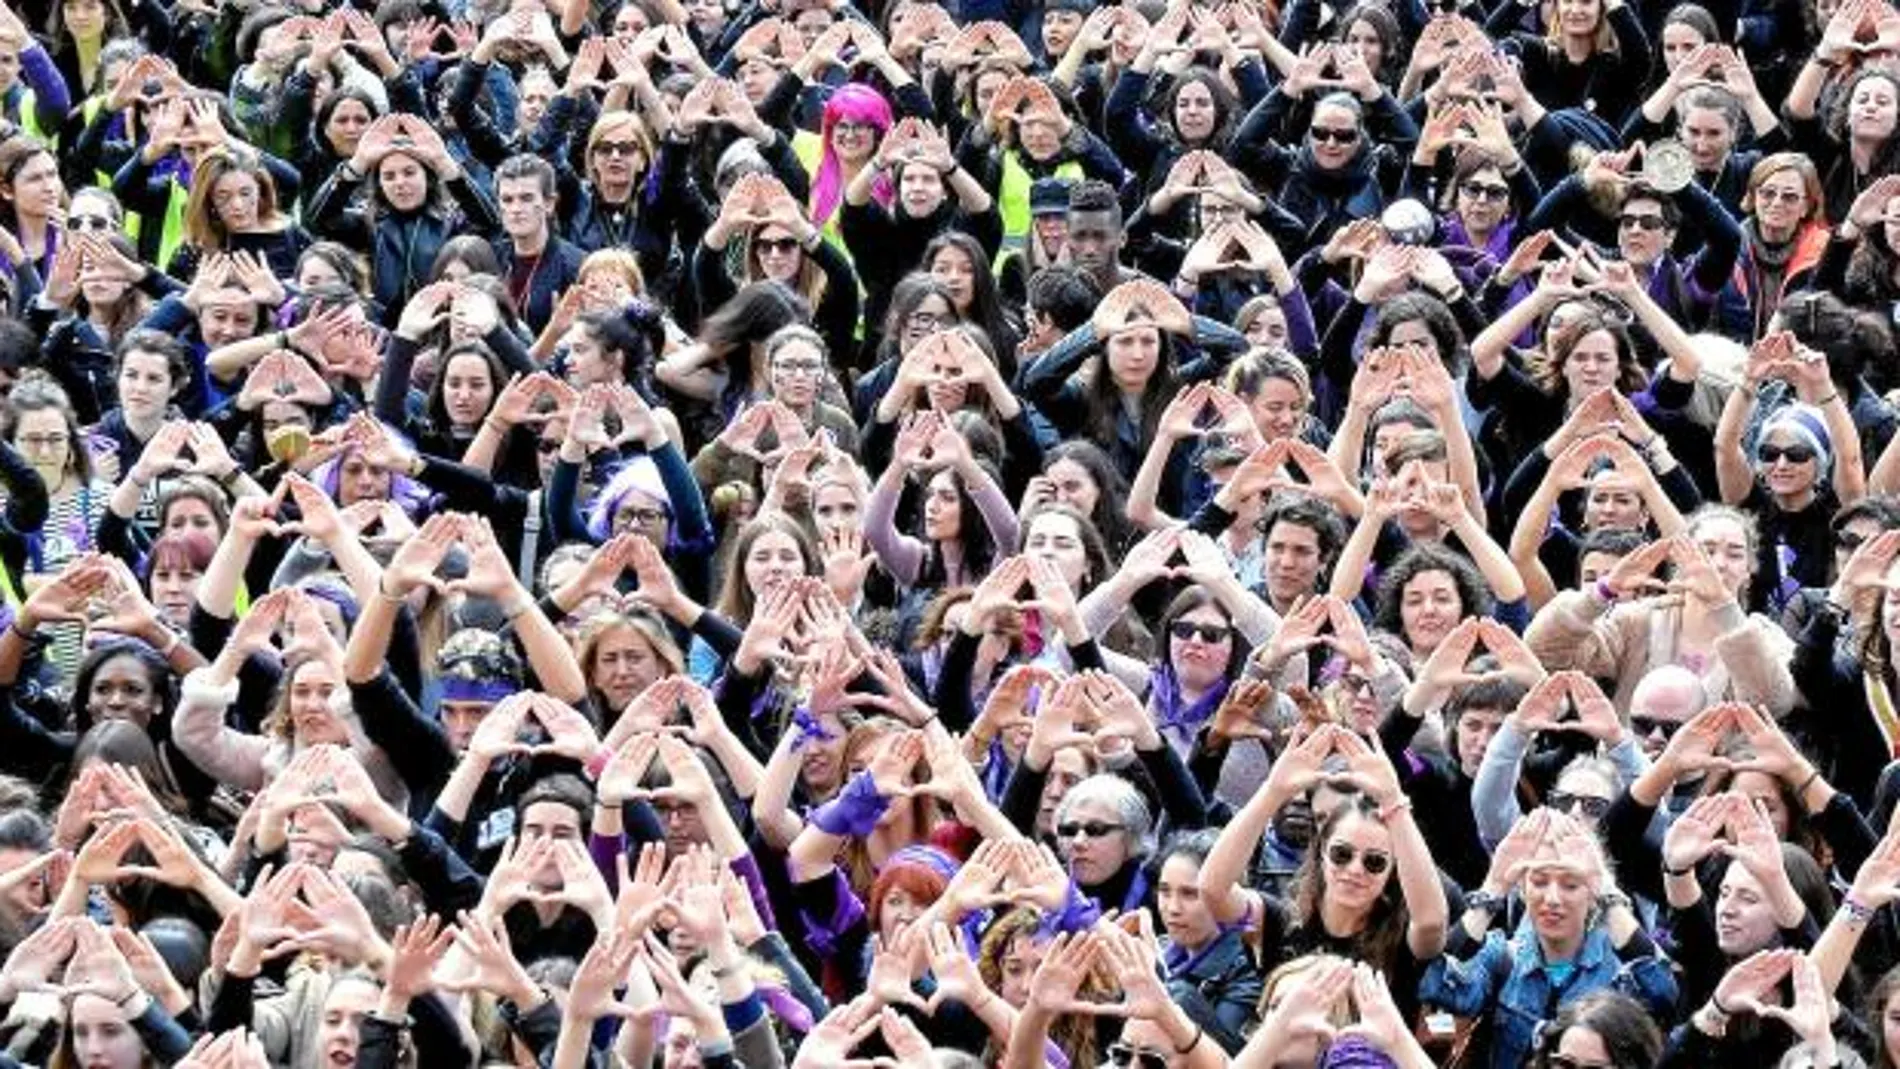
(1118, 795)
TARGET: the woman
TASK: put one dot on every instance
(1120, 399)
(1210, 971)
(767, 553)
(1807, 465)
(1006, 961)
(1787, 233)
(622, 653)
(799, 373)
(1738, 656)
(1854, 144)
(39, 421)
(1481, 202)
(964, 516)
(1594, 55)
(80, 29)
(174, 566)
(103, 300)
(420, 198)
(920, 305)
(856, 117)
(234, 209)
(958, 261)
(1079, 475)
(1367, 888)
(1350, 158)
(1430, 588)
(608, 279)
(1604, 1029)
(1151, 131)
(1577, 926)
(1585, 348)
(786, 249)
(31, 195)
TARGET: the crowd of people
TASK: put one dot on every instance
(687, 534)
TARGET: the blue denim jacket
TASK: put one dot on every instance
(1507, 978)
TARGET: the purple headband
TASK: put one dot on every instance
(455, 688)
(926, 857)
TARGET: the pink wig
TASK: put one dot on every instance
(856, 103)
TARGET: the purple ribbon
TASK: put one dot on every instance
(856, 810)
(1078, 913)
(809, 727)
(458, 689)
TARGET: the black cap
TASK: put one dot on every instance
(1049, 196)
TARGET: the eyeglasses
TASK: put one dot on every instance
(1123, 1055)
(1640, 222)
(852, 126)
(1646, 726)
(1768, 453)
(775, 246)
(1208, 633)
(1848, 541)
(798, 367)
(42, 441)
(927, 321)
(1359, 685)
(1483, 191)
(638, 517)
(1094, 829)
(1780, 196)
(1589, 805)
(1334, 134)
(616, 148)
(81, 223)
(1375, 862)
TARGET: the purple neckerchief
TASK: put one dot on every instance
(746, 867)
(822, 933)
(1078, 913)
(809, 728)
(605, 850)
(1165, 692)
(996, 771)
(457, 689)
(786, 1008)
(1498, 246)
(856, 810)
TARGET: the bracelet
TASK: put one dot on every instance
(1801, 791)
(1667, 871)
(1605, 592)
(1828, 400)
(383, 593)
(1192, 1043)
(1857, 911)
(1394, 808)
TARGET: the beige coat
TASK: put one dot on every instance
(1577, 631)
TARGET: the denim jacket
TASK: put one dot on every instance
(1508, 979)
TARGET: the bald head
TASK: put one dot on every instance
(1664, 698)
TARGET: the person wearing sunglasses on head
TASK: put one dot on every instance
(1578, 935)
(1367, 889)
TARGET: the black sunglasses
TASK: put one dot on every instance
(1645, 726)
(1209, 633)
(1094, 829)
(1641, 222)
(1481, 191)
(781, 246)
(1375, 862)
(1327, 133)
(1797, 453)
(1591, 807)
(1124, 1055)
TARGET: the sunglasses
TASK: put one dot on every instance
(617, 148)
(1481, 191)
(1375, 862)
(1093, 829)
(1646, 726)
(1640, 222)
(1336, 136)
(1208, 633)
(1848, 541)
(1780, 196)
(1592, 807)
(776, 246)
(1793, 454)
(1122, 1054)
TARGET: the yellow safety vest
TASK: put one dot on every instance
(1012, 201)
